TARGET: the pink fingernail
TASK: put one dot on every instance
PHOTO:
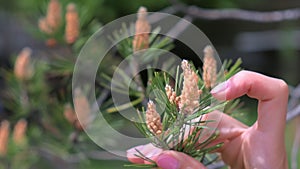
(132, 151)
(166, 161)
(219, 88)
(220, 91)
(154, 153)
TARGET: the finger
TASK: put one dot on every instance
(271, 93)
(177, 160)
(148, 150)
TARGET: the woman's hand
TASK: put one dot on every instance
(259, 146)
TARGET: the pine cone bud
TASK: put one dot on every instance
(23, 69)
(69, 114)
(4, 136)
(44, 27)
(51, 23)
(19, 132)
(53, 17)
(142, 29)
(82, 108)
(189, 99)
(153, 120)
(51, 42)
(209, 67)
(72, 24)
(172, 95)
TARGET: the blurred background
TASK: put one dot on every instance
(269, 45)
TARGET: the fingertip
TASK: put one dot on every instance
(220, 91)
(148, 150)
(283, 87)
(177, 160)
(131, 155)
(167, 161)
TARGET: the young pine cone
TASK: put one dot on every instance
(4, 136)
(83, 110)
(53, 17)
(209, 68)
(23, 69)
(44, 27)
(172, 95)
(153, 120)
(72, 24)
(19, 132)
(71, 117)
(142, 29)
(189, 99)
(51, 23)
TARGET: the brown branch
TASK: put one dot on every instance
(238, 14)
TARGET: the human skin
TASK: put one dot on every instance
(260, 146)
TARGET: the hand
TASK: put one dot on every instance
(259, 146)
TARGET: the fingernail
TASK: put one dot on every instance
(133, 151)
(220, 91)
(167, 161)
(219, 88)
(154, 153)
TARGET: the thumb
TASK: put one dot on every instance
(177, 160)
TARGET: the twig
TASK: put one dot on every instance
(239, 14)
